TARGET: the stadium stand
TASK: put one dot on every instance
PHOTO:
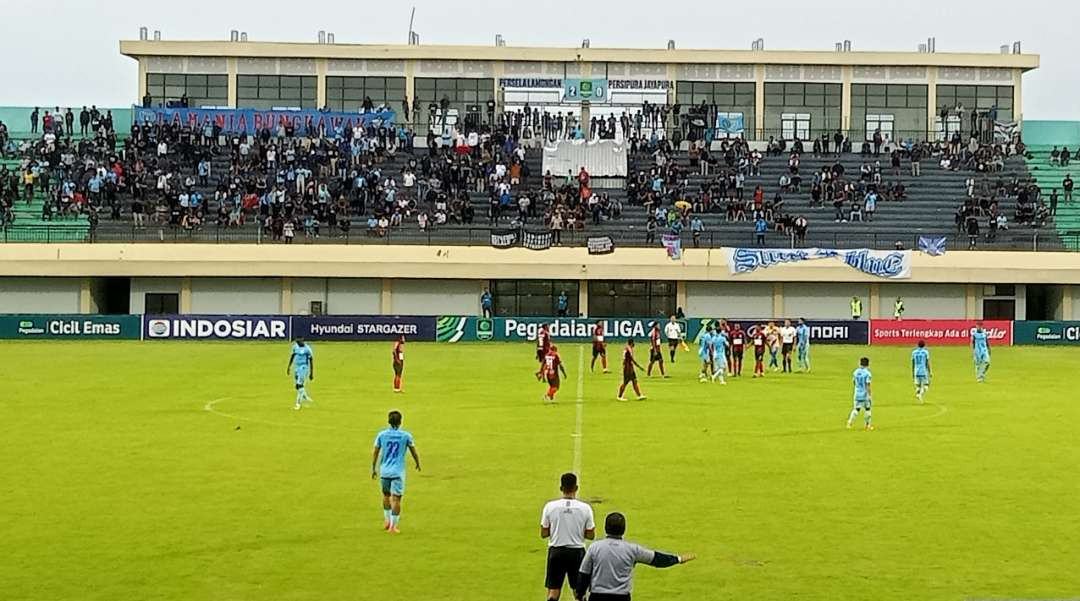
(172, 183)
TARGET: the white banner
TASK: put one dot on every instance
(892, 264)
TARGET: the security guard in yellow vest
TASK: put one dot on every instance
(856, 307)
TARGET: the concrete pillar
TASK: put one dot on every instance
(1018, 98)
(759, 102)
(410, 90)
(386, 300)
(875, 302)
(583, 297)
(142, 79)
(231, 69)
(286, 296)
(1068, 293)
(680, 294)
(320, 82)
(185, 295)
(777, 300)
(846, 73)
(498, 69)
(931, 100)
(1021, 302)
(971, 302)
(86, 297)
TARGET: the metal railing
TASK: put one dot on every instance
(1026, 240)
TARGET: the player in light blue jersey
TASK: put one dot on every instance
(706, 353)
(802, 338)
(863, 397)
(980, 345)
(302, 365)
(920, 369)
(389, 455)
(721, 346)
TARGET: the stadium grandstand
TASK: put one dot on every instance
(778, 148)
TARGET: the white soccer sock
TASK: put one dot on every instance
(854, 414)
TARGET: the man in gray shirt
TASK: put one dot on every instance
(608, 567)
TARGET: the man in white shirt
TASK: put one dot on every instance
(673, 333)
(787, 342)
(566, 523)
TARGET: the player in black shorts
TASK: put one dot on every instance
(629, 375)
(656, 351)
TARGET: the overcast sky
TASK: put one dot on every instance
(75, 58)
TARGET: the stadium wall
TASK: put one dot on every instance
(40, 295)
(260, 279)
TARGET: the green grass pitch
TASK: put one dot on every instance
(179, 471)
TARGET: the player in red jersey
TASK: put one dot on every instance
(553, 366)
(656, 351)
(760, 340)
(725, 329)
(543, 345)
(599, 347)
(629, 376)
(399, 362)
(738, 344)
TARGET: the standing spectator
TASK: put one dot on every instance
(84, 121)
(34, 121)
(562, 304)
(972, 227)
(760, 227)
(1053, 202)
(696, 229)
(916, 161)
(608, 567)
(1067, 186)
(69, 122)
(487, 302)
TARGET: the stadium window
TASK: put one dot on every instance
(201, 90)
(795, 125)
(951, 127)
(883, 122)
(155, 303)
(533, 298)
(630, 298)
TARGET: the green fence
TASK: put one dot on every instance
(72, 327)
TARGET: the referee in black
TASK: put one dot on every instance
(608, 567)
(566, 523)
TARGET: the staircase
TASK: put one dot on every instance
(1049, 177)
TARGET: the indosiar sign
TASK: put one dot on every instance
(520, 329)
(217, 327)
(75, 327)
(1046, 332)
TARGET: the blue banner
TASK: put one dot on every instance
(892, 264)
(252, 121)
(364, 327)
(217, 327)
(730, 123)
